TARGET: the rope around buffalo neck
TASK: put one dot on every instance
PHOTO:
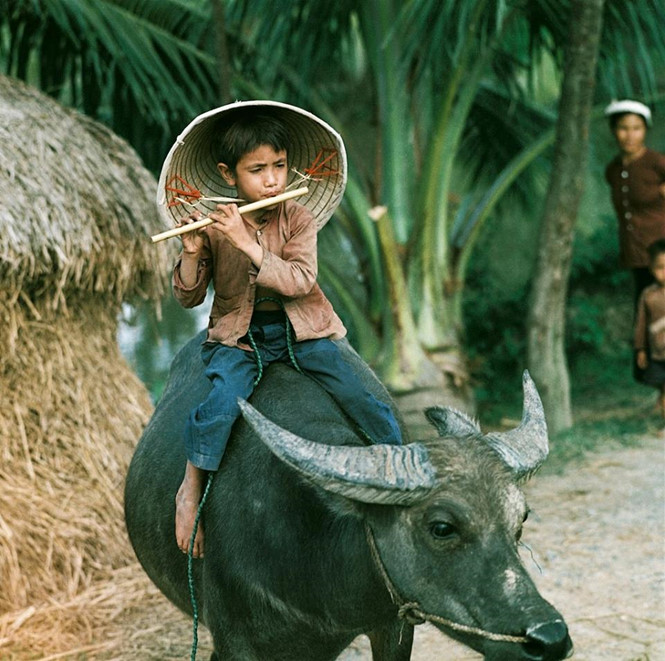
(411, 612)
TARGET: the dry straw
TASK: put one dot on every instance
(76, 213)
(76, 206)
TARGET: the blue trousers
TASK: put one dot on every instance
(232, 372)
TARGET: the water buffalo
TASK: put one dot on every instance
(310, 543)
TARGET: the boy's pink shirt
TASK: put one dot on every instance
(289, 270)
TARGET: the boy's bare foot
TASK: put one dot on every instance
(186, 507)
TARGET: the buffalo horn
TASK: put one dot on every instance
(382, 474)
(526, 447)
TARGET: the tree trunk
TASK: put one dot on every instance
(222, 51)
(546, 356)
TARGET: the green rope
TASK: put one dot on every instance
(190, 557)
(289, 341)
(190, 572)
(257, 357)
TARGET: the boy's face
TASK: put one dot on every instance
(259, 174)
(658, 269)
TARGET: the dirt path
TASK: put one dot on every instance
(597, 534)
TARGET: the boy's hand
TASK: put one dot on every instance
(229, 222)
(192, 242)
(642, 360)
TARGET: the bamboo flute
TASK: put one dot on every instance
(246, 208)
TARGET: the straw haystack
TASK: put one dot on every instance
(76, 214)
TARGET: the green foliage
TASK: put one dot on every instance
(342, 282)
(440, 103)
(599, 311)
(611, 409)
(495, 340)
(585, 327)
(133, 64)
(620, 430)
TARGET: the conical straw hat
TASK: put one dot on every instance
(316, 159)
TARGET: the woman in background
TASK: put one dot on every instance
(637, 181)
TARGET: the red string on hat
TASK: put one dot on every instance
(190, 193)
(319, 167)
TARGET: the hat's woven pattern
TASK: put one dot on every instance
(316, 159)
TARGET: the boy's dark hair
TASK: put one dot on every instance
(614, 119)
(656, 249)
(247, 129)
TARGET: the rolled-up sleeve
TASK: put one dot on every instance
(190, 297)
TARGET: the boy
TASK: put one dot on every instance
(267, 307)
(649, 339)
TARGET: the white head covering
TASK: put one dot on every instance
(626, 105)
(317, 159)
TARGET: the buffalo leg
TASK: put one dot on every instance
(392, 643)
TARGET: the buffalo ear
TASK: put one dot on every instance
(380, 474)
(451, 422)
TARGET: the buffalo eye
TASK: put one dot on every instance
(441, 530)
(519, 532)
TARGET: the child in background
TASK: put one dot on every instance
(649, 339)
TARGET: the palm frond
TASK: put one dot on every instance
(632, 50)
(115, 59)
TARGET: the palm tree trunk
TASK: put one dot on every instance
(222, 52)
(546, 322)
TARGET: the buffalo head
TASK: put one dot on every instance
(444, 519)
